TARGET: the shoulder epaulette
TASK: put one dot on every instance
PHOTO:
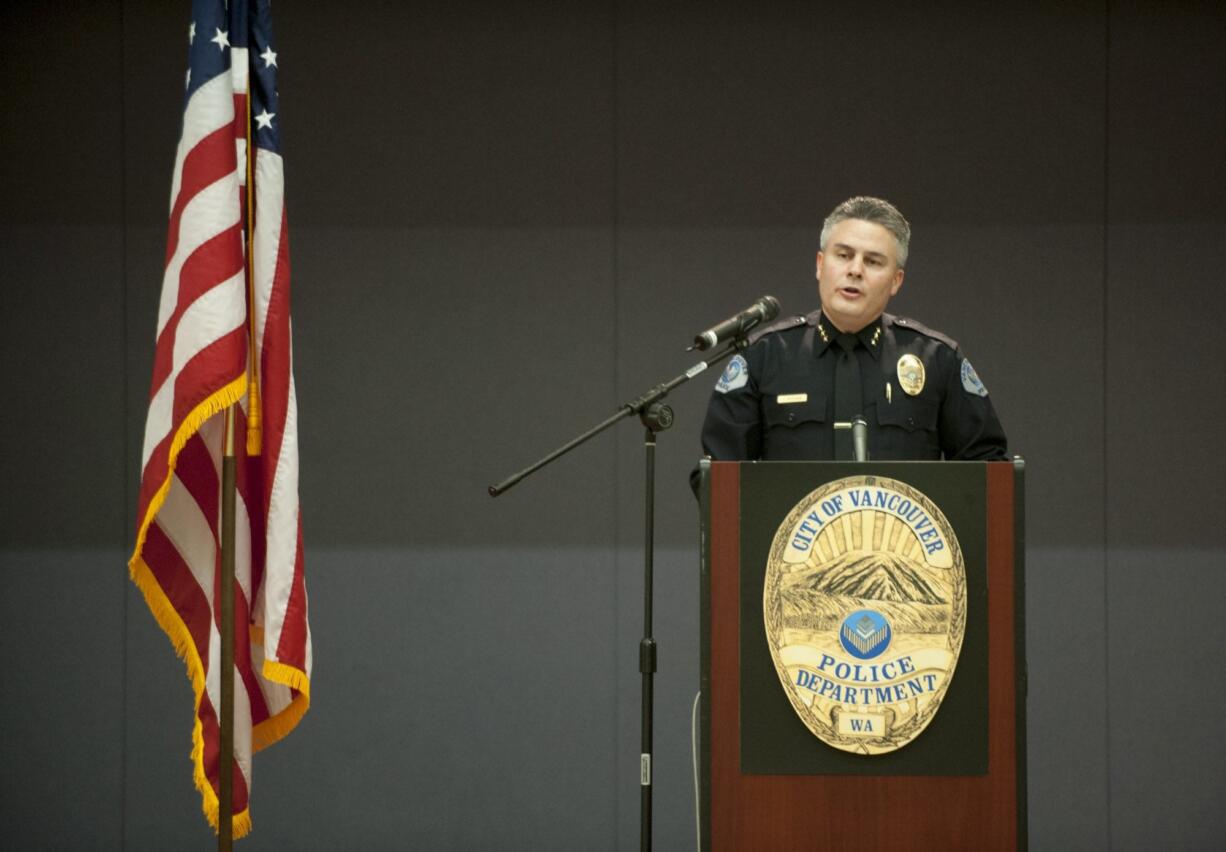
(919, 327)
(778, 325)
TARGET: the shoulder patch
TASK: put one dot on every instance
(920, 328)
(735, 375)
(970, 380)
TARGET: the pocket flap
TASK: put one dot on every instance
(812, 410)
(909, 414)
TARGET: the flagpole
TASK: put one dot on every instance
(225, 823)
(225, 796)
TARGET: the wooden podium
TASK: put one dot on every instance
(767, 783)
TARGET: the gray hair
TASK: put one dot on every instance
(875, 210)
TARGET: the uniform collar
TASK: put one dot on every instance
(827, 335)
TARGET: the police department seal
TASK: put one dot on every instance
(911, 374)
(865, 610)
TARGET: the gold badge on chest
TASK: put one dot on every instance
(911, 374)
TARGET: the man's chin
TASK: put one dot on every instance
(849, 321)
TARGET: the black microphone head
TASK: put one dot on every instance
(770, 308)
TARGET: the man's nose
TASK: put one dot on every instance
(856, 266)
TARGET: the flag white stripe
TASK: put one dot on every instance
(215, 314)
(238, 69)
(189, 531)
(267, 239)
(210, 108)
(282, 524)
(211, 211)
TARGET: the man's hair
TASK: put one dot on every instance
(876, 210)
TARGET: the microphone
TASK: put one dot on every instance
(763, 310)
(859, 438)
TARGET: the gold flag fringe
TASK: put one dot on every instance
(270, 730)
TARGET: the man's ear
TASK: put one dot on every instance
(898, 276)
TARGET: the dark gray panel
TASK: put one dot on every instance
(463, 699)
(443, 114)
(1026, 305)
(154, 54)
(61, 642)
(160, 798)
(675, 628)
(431, 364)
(144, 255)
(62, 143)
(61, 347)
(1163, 353)
(1168, 766)
(673, 283)
(1166, 128)
(1066, 718)
(1165, 409)
(737, 113)
(450, 114)
(1164, 348)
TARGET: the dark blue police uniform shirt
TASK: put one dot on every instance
(776, 400)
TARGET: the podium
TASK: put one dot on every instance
(768, 782)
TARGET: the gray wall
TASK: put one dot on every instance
(507, 219)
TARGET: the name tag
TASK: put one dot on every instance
(785, 398)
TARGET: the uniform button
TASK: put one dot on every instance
(791, 416)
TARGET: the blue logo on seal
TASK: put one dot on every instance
(865, 634)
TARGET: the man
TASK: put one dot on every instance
(918, 393)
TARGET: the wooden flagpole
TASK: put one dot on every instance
(225, 796)
(225, 820)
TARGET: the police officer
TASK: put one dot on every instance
(919, 394)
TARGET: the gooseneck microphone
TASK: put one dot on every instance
(859, 438)
(763, 310)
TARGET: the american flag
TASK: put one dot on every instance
(223, 339)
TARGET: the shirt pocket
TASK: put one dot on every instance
(909, 413)
(793, 414)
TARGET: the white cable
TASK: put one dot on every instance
(694, 752)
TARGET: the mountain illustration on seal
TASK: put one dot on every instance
(910, 594)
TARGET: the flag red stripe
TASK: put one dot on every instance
(153, 475)
(275, 360)
(209, 371)
(239, 128)
(217, 259)
(212, 368)
(197, 473)
(291, 649)
(180, 587)
(212, 159)
(211, 730)
(249, 480)
(242, 659)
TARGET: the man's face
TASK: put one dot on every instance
(857, 273)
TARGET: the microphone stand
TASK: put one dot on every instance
(656, 417)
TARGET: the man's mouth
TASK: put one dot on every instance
(850, 292)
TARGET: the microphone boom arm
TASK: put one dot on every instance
(645, 406)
